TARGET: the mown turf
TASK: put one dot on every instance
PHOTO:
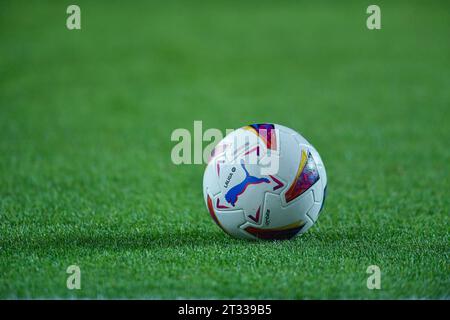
(86, 118)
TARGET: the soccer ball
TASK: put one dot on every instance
(264, 181)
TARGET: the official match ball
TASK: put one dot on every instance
(264, 181)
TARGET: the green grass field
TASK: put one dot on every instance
(86, 176)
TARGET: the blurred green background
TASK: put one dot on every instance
(86, 117)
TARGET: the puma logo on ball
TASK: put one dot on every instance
(232, 195)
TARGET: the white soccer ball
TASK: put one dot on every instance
(264, 181)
